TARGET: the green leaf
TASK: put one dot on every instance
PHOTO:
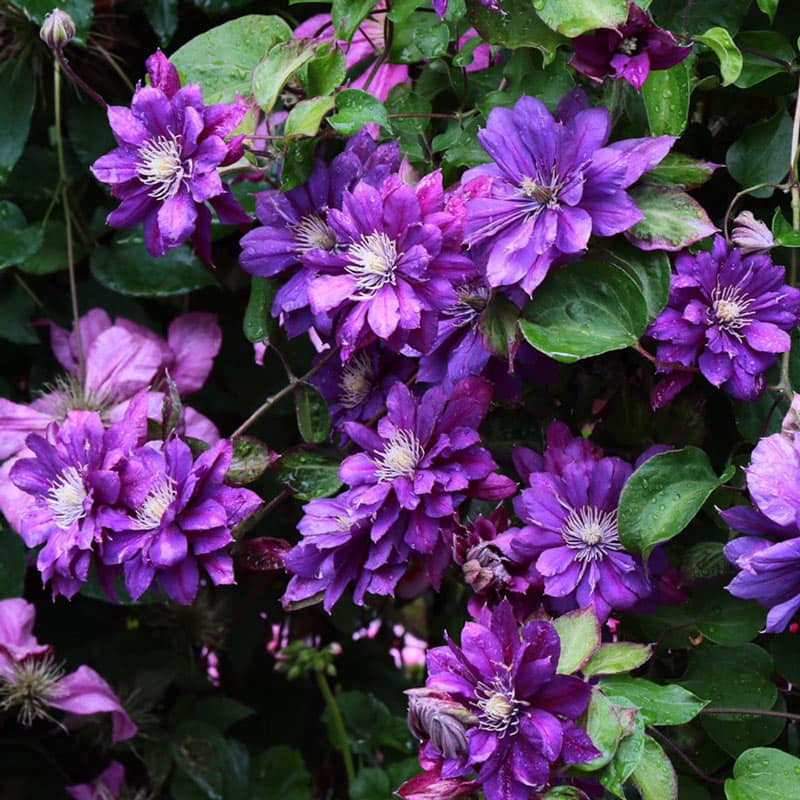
(222, 60)
(325, 73)
(283, 60)
(785, 650)
(12, 564)
(306, 117)
(81, 11)
(52, 255)
(760, 155)
(725, 619)
(675, 15)
(310, 474)
(163, 17)
(651, 271)
(579, 632)
(574, 17)
(126, 267)
(371, 783)
(729, 55)
(704, 561)
(584, 310)
(18, 241)
(499, 326)
(369, 724)
(654, 775)
(666, 96)
(659, 705)
(355, 109)
(221, 712)
(313, 420)
(677, 169)
(518, 27)
(348, 15)
(615, 657)
(672, 219)
(785, 235)
(258, 322)
(662, 497)
(624, 762)
(251, 457)
(605, 729)
(298, 163)
(756, 69)
(16, 307)
(769, 7)
(279, 774)
(16, 99)
(764, 773)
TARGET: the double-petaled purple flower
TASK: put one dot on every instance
(554, 182)
(33, 683)
(294, 222)
(628, 52)
(108, 785)
(174, 515)
(166, 166)
(769, 555)
(522, 714)
(728, 314)
(569, 531)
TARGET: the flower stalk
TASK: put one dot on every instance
(338, 725)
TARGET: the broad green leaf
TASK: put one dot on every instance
(16, 308)
(432, 40)
(725, 619)
(369, 724)
(355, 109)
(126, 267)
(769, 7)
(258, 322)
(624, 762)
(654, 775)
(309, 474)
(676, 15)
(313, 420)
(666, 96)
(680, 170)
(283, 60)
(579, 632)
(651, 271)
(306, 117)
(518, 27)
(325, 73)
(729, 55)
(371, 783)
(251, 457)
(761, 155)
(574, 17)
(163, 17)
(18, 240)
(52, 255)
(13, 555)
(298, 163)
(662, 497)
(16, 100)
(348, 15)
(704, 561)
(222, 60)
(584, 310)
(764, 773)
(756, 69)
(672, 219)
(734, 733)
(605, 729)
(659, 705)
(785, 235)
(615, 657)
(785, 650)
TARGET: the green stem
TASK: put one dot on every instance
(338, 725)
(62, 172)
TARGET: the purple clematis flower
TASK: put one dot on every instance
(108, 785)
(33, 683)
(629, 52)
(175, 514)
(166, 166)
(554, 182)
(728, 314)
(523, 712)
(570, 532)
(294, 222)
(398, 251)
(72, 477)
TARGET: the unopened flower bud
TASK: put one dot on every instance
(262, 554)
(484, 568)
(58, 29)
(751, 235)
(436, 716)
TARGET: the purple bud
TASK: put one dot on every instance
(751, 235)
(434, 715)
(262, 554)
(484, 568)
(58, 29)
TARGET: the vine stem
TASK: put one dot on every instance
(753, 712)
(338, 725)
(658, 736)
(278, 396)
(62, 172)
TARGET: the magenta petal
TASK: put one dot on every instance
(195, 340)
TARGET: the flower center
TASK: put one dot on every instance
(628, 46)
(356, 381)
(372, 263)
(31, 687)
(729, 307)
(498, 706)
(471, 304)
(161, 166)
(66, 498)
(591, 533)
(149, 515)
(400, 457)
(313, 233)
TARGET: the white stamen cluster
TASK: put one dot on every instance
(66, 498)
(30, 687)
(544, 192)
(400, 457)
(161, 496)
(729, 310)
(313, 233)
(498, 707)
(356, 381)
(372, 263)
(591, 533)
(628, 46)
(161, 166)
(471, 304)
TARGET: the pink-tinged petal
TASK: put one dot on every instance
(383, 313)
(432, 786)
(152, 107)
(132, 210)
(85, 692)
(326, 292)
(574, 229)
(767, 338)
(128, 130)
(16, 422)
(118, 166)
(544, 730)
(203, 516)
(63, 342)
(219, 567)
(107, 785)
(195, 340)
(482, 648)
(357, 469)
(138, 576)
(181, 582)
(639, 156)
(169, 547)
(162, 74)
(17, 642)
(176, 218)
